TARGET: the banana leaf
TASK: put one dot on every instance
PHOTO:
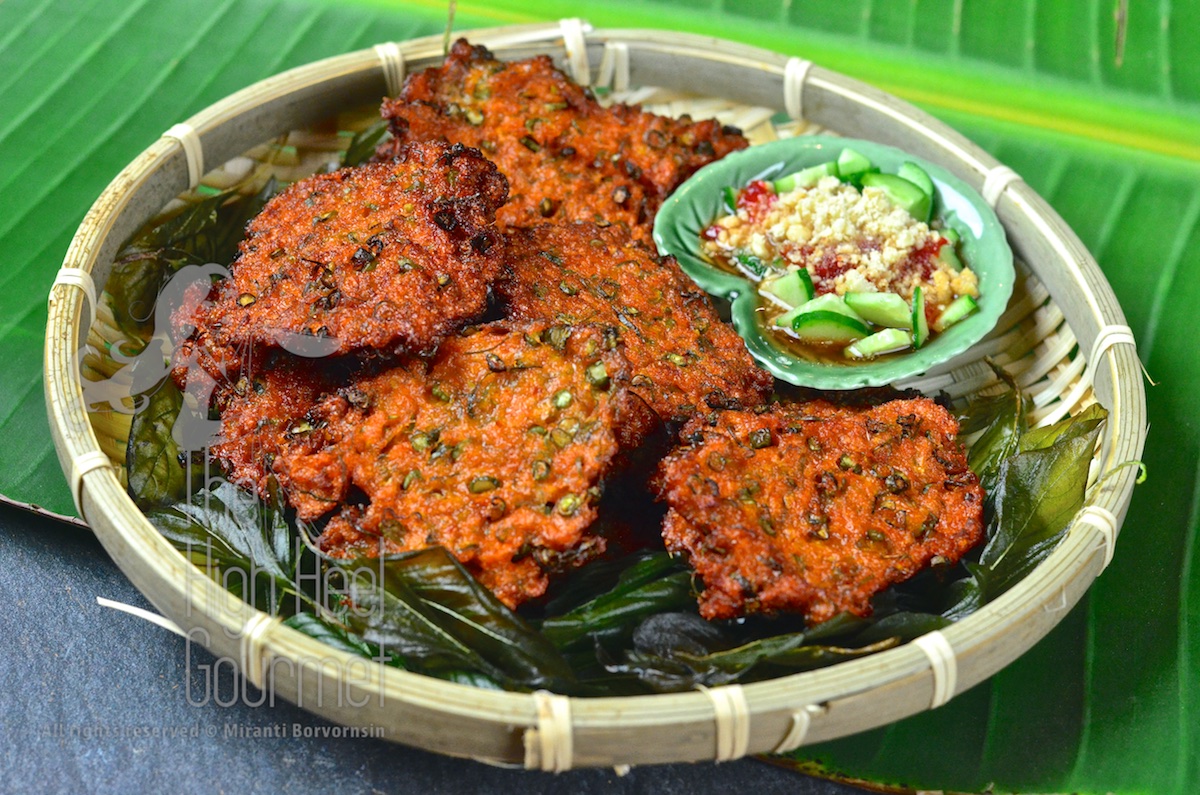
(1096, 103)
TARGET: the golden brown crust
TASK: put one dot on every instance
(682, 357)
(387, 256)
(263, 413)
(567, 158)
(495, 449)
(814, 508)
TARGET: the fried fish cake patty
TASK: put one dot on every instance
(382, 257)
(567, 157)
(814, 508)
(263, 413)
(495, 449)
(682, 357)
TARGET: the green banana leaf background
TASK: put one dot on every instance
(1096, 103)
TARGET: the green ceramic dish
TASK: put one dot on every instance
(983, 248)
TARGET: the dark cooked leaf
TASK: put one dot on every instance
(362, 146)
(195, 222)
(391, 616)
(902, 627)
(238, 537)
(337, 636)
(675, 652)
(665, 648)
(134, 285)
(156, 475)
(207, 231)
(1037, 494)
(425, 607)
(679, 634)
(471, 678)
(1001, 418)
(597, 577)
(800, 657)
(840, 638)
(1041, 488)
(1083, 423)
(654, 584)
(742, 658)
(668, 675)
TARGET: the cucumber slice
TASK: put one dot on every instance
(889, 340)
(948, 254)
(901, 193)
(824, 325)
(789, 290)
(955, 311)
(882, 309)
(806, 278)
(830, 302)
(920, 326)
(916, 175)
(850, 164)
(806, 178)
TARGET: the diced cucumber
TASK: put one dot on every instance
(888, 340)
(806, 278)
(920, 326)
(851, 164)
(789, 290)
(787, 318)
(830, 302)
(731, 195)
(806, 178)
(955, 311)
(824, 325)
(948, 255)
(882, 309)
(901, 193)
(856, 180)
(916, 175)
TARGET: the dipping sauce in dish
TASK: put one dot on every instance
(846, 263)
(844, 258)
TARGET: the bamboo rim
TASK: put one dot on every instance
(555, 733)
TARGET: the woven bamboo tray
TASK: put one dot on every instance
(1063, 337)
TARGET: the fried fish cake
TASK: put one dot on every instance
(567, 157)
(263, 413)
(682, 357)
(814, 508)
(495, 449)
(384, 257)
